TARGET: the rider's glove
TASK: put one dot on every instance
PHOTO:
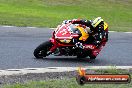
(79, 45)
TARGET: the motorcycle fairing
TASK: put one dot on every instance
(66, 32)
(63, 32)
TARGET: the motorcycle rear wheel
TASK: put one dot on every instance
(82, 55)
(42, 49)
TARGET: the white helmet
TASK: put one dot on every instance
(96, 21)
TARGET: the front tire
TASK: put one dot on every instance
(42, 49)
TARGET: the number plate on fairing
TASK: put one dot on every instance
(63, 32)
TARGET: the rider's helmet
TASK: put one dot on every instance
(96, 22)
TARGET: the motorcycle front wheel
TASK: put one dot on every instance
(42, 49)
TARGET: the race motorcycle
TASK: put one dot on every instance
(67, 39)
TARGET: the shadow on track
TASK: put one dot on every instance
(70, 60)
(58, 61)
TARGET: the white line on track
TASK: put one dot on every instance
(55, 69)
(112, 31)
(31, 27)
(127, 32)
(7, 26)
(55, 28)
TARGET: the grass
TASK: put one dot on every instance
(66, 83)
(112, 70)
(71, 83)
(50, 13)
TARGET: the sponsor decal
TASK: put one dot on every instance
(83, 78)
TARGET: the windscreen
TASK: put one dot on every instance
(74, 29)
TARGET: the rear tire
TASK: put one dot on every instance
(42, 49)
(82, 55)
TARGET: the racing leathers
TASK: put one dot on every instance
(98, 36)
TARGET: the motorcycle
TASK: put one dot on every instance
(67, 40)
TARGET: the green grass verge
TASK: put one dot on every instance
(66, 83)
(71, 83)
(50, 13)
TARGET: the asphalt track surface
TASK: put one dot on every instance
(18, 43)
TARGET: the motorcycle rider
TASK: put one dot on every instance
(98, 34)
